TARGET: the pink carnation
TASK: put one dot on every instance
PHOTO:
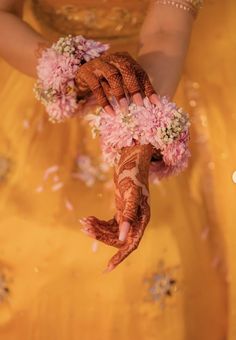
(90, 48)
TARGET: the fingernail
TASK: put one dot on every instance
(124, 105)
(124, 228)
(122, 235)
(109, 110)
(88, 233)
(138, 100)
(154, 99)
(84, 224)
(109, 268)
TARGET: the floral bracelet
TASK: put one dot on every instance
(164, 126)
(57, 68)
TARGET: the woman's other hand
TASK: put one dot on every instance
(126, 229)
(117, 75)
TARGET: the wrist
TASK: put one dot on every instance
(146, 152)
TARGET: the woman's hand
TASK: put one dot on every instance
(126, 229)
(118, 75)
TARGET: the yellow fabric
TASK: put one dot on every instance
(56, 286)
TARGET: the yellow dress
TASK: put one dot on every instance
(179, 283)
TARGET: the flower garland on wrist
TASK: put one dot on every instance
(57, 68)
(164, 126)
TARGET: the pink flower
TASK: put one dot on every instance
(165, 126)
(63, 107)
(57, 68)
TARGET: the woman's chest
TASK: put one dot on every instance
(102, 19)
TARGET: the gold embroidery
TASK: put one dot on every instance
(92, 22)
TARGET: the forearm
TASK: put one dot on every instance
(164, 41)
(145, 153)
(163, 65)
(19, 43)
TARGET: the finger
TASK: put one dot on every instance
(154, 99)
(126, 68)
(122, 253)
(112, 76)
(135, 237)
(87, 232)
(124, 105)
(143, 79)
(110, 225)
(100, 96)
(85, 228)
(109, 110)
(104, 231)
(138, 100)
(107, 91)
(86, 75)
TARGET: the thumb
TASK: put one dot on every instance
(124, 229)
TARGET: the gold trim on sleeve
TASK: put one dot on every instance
(190, 6)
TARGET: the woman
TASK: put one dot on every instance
(48, 171)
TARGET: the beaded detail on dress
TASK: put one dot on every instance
(97, 20)
(191, 6)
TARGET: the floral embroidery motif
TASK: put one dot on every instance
(161, 285)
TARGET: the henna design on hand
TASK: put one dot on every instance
(134, 77)
(113, 74)
(132, 204)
